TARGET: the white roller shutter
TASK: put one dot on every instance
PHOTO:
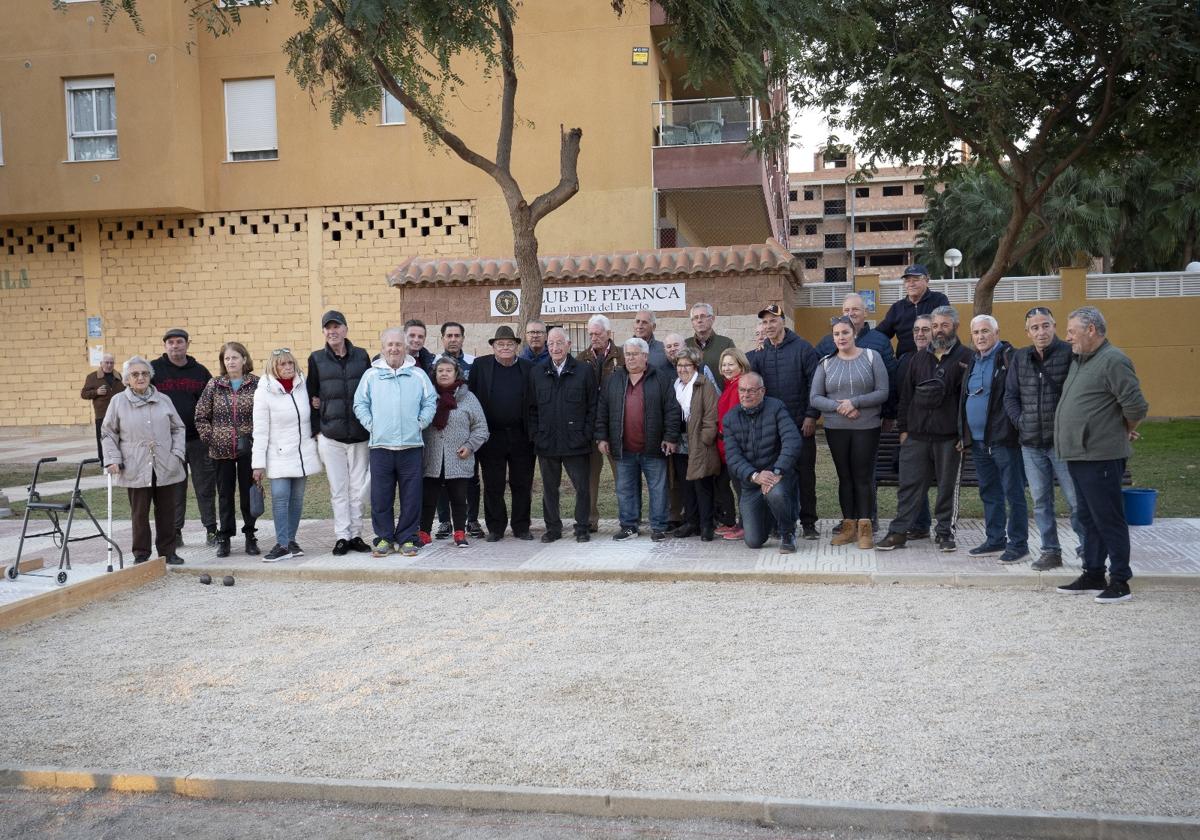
(250, 117)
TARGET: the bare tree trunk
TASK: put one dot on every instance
(529, 264)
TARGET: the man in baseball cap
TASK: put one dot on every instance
(333, 375)
(918, 300)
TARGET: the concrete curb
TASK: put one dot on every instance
(790, 813)
(967, 580)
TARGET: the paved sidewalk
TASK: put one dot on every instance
(1166, 553)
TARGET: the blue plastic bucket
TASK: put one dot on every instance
(1139, 505)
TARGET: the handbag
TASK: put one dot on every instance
(245, 442)
(257, 503)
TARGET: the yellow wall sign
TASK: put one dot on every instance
(641, 56)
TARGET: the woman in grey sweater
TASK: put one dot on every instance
(453, 437)
(849, 388)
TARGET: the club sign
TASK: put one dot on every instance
(588, 300)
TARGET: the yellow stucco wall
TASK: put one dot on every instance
(575, 70)
(1158, 334)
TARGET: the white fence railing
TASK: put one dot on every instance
(1158, 285)
(1046, 287)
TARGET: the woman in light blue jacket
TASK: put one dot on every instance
(395, 401)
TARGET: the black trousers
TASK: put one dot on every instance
(724, 506)
(453, 491)
(578, 469)
(853, 452)
(203, 482)
(507, 458)
(806, 477)
(443, 502)
(231, 472)
(163, 498)
(99, 448)
(698, 494)
(1102, 515)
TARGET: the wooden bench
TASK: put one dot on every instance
(887, 462)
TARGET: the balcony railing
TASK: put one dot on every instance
(694, 122)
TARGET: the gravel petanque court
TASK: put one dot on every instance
(944, 696)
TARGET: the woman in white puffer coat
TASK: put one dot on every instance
(284, 448)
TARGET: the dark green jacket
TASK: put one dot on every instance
(1101, 393)
(717, 344)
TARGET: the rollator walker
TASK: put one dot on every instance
(62, 537)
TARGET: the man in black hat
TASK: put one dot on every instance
(917, 300)
(333, 375)
(501, 384)
(182, 379)
(786, 364)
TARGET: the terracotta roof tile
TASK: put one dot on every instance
(767, 258)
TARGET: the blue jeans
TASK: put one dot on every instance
(287, 501)
(760, 513)
(1001, 481)
(631, 466)
(392, 469)
(1042, 466)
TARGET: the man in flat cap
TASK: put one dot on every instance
(182, 379)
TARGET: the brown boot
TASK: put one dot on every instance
(866, 539)
(846, 535)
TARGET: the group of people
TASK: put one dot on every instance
(724, 440)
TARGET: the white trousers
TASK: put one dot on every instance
(346, 465)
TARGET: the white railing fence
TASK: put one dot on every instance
(1163, 284)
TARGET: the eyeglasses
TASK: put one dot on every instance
(282, 351)
(138, 373)
(754, 389)
(1039, 310)
(840, 319)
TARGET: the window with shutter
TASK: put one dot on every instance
(250, 132)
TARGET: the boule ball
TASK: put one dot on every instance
(206, 578)
(227, 580)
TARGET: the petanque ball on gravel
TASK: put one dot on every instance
(206, 579)
(227, 580)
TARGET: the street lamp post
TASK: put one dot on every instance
(952, 258)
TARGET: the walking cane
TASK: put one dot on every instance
(108, 481)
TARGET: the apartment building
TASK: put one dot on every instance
(166, 177)
(839, 227)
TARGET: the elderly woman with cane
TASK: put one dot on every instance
(143, 441)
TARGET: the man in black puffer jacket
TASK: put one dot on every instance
(927, 420)
(985, 428)
(786, 364)
(638, 423)
(333, 375)
(761, 447)
(1035, 381)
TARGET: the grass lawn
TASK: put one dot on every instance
(1167, 458)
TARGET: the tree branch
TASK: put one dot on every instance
(508, 99)
(568, 182)
(428, 119)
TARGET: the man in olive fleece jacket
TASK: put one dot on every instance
(1097, 418)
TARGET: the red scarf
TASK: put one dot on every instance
(445, 404)
(287, 384)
